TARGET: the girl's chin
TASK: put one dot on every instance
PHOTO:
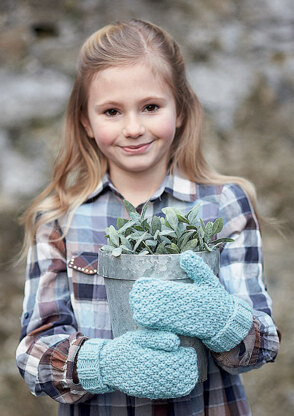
(138, 167)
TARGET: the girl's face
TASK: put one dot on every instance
(132, 117)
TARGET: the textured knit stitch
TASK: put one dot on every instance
(204, 309)
(141, 363)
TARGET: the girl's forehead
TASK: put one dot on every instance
(138, 75)
(151, 66)
(137, 69)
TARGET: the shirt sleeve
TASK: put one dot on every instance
(241, 272)
(49, 340)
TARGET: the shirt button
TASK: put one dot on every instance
(26, 315)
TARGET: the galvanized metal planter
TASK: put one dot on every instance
(120, 274)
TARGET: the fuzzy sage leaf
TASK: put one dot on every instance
(173, 233)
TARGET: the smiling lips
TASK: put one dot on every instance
(136, 149)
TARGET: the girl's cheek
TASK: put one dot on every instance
(166, 128)
(105, 135)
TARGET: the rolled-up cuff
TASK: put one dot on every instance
(88, 366)
(235, 330)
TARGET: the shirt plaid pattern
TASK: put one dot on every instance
(65, 303)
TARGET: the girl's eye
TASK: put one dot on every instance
(111, 112)
(151, 108)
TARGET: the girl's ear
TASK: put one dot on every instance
(86, 124)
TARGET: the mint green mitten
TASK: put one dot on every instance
(203, 309)
(143, 363)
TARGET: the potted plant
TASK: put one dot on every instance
(150, 247)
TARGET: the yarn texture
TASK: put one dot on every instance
(203, 309)
(143, 363)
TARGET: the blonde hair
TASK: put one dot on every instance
(80, 164)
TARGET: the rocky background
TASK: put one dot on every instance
(240, 61)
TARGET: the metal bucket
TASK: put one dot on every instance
(120, 274)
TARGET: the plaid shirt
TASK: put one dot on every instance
(65, 303)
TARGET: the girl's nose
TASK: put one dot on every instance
(133, 127)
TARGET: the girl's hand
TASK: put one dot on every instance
(141, 363)
(203, 309)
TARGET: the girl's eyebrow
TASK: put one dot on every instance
(115, 103)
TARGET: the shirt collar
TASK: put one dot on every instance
(176, 184)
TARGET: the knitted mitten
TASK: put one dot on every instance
(203, 309)
(141, 363)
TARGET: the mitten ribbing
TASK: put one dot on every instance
(88, 366)
(235, 330)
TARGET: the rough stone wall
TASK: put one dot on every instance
(240, 61)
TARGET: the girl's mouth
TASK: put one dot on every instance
(136, 149)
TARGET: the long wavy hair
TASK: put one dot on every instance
(80, 164)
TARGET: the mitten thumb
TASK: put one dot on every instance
(158, 340)
(195, 267)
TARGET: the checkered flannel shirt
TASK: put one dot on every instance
(65, 302)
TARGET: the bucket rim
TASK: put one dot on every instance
(105, 253)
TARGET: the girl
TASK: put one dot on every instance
(133, 127)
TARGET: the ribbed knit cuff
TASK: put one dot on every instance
(88, 366)
(235, 330)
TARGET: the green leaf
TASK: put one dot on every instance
(138, 227)
(126, 226)
(168, 232)
(217, 225)
(125, 250)
(113, 236)
(148, 248)
(171, 217)
(146, 225)
(135, 235)
(121, 222)
(139, 241)
(117, 251)
(151, 243)
(107, 248)
(164, 239)
(175, 247)
(220, 242)
(143, 253)
(166, 227)
(161, 249)
(129, 207)
(208, 232)
(223, 240)
(144, 209)
(191, 227)
(171, 249)
(156, 234)
(181, 216)
(166, 224)
(201, 229)
(155, 224)
(181, 229)
(139, 236)
(207, 247)
(126, 242)
(190, 245)
(185, 238)
(135, 216)
(193, 213)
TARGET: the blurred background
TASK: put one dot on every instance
(240, 61)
